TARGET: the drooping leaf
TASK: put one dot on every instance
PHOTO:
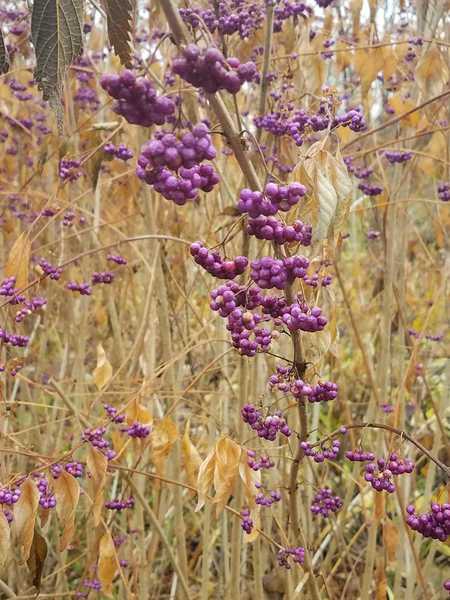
(138, 412)
(56, 32)
(5, 538)
(18, 261)
(4, 58)
(37, 557)
(432, 72)
(103, 371)
(107, 563)
(205, 478)
(249, 478)
(25, 511)
(327, 201)
(67, 492)
(191, 457)
(228, 455)
(164, 435)
(119, 15)
(97, 464)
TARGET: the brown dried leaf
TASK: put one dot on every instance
(401, 106)
(37, 558)
(4, 59)
(205, 478)
(119, 14)
(97, 464)
(227, 460)
(191, 457)
(103, 371)
(368, 63)
(391, 539)
(164, 436)
(249, 478)
(25, 511)
(18, 261)
(107, 563)
(67, 492)
(432, 72)
(5, 538)
(138, 412)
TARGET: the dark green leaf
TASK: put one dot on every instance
(119, 15)
(4, 61)
(56, 31)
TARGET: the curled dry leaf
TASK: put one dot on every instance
(432, 72)
(138, 412)
(191, 457)
(107, 563)
(164, 435)
(5, 538)
(18, 261)
(227, 460)
(67, 492)
(205, 478)
(103, 371)
(25, 511)
(37, 557)
(97, 464)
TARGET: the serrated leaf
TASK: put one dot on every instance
(97, 464)
(103, 371)
(25, 511)
(119, 15)
(107, 563)
(67, 492)
(5, 538)
(37, 557)
(18, 261)
(4, 58)
(56, 32)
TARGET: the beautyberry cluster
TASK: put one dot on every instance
(434, 524)
(112, 413)
(102, 277)
(319, 455)
(444, 191)
(268, 272)
(137, 430)
(9, 496)
(296, 553)
(246, 520)
(47, 499)
(69, 170)
(120, 504)
(257, 464)
(359, 456)
(137, 100)
(380, 473)
(324, 502)
(269, 228)
(121, 151)
(275, 198)
(96, 439)
(209, 70)
(396, 156)
(215, 264)
(84, 289)
(266, 427)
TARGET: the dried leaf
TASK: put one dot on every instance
(432, 72)
(56, 32)
(5, 538)
(97, 464)
(400, 106)
(4, 58)
(191, 457)
(164, 436)
(103, 371)
(138, 412)
(67, 492)
(107, 563)
(18, 261)
(390, 539)
(37, 558)
(327, 202)
(119, 15)
(205, 478)
(249, 478)
(25, 511)
(227, 460)
(368, 63)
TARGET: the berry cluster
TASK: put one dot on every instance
(370, 189)
(266, 427)
(209, 70)
(433, 524)
(397, 156)
(257, 464)
(297, 554)
(12, 339)
(96, 439)
(245, 336)
(300, 316)
(69, 170)
(246, 520)
(275, 198)
(359, 456)
(137, 430)
(324, 503)
(215, 264)
(31, 306)
(269, 228)
(9, 496)
(50, 270)
(102, 277)
(84, 289)
(137, 100)
(121, 151)
(444, 191)
(321, 392)
(47, 498)
(268, 272)
(113, 414)
(323, 453)
(269, 499)
(117, 258)
(380, 473)
(174, 165)
(120, 504)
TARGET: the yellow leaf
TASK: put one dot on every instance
(205, 478)
(107, 563)
(390, 539)
(249, 478)
(97, 464)
(5, 538)
(138, 412)
(103, 370)
(368, 63)
(432, 72)
(67, 492)
(401, 106)
(311, 69)
(25, 511)
(18, 261)
(227, 459)
(191, 457)
(164, 436)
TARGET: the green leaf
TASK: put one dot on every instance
(4, 59)
(119, 14)
(56, 32)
